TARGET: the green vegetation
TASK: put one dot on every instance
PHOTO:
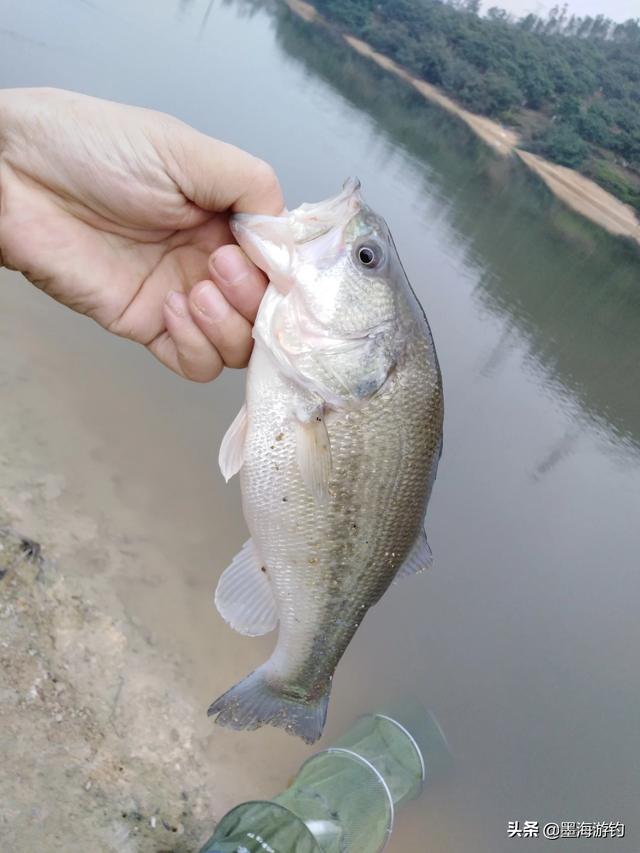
(579, 77)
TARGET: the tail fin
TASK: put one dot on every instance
(254, 702)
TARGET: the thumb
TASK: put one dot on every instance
(217, 176)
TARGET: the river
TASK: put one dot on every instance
(523, 639)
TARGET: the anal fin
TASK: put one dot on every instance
(244, 597)
(419, 558)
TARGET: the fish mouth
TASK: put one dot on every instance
(313, 220)
(271, 241)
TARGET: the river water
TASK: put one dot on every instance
(523, 638)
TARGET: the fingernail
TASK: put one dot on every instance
(176, 303)
(229, 264)
(209, 301)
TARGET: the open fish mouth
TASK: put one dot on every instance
(313, 220)
(275, 243)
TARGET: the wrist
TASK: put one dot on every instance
(9, 111)
(12, 103)
(19, 106)
(5, 122)
(5, 117)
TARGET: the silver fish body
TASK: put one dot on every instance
(340, 438)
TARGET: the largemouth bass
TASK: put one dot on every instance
(337, 447)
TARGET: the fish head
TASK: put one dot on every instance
(336, 258)
(333, 314)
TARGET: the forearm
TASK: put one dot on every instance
(15, 105)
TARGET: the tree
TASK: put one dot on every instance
(496, 14)
(472, 6)
(569, 109)
(593, 127)
(580, 74)
(563, 145)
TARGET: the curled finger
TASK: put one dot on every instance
(227, 330)
(183, 347)
(238, 279)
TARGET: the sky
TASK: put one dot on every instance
(618, 10)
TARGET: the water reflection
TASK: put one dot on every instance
(560, 450)
(571, 291)
(185, 6)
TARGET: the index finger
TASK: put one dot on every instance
(218, 176)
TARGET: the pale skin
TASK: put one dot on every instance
(121, 213)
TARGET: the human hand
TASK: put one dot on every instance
(121, 213)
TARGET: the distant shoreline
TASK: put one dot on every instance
(578, 192)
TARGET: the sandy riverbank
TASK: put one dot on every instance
(578, 192)
(585, 196)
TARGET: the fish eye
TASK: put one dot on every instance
(369, 254)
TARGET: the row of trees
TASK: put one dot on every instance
(573, 84)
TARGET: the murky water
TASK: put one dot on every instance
(523, 639)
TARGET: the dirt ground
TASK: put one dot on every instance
(95, 753)
(98, 749)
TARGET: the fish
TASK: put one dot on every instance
(337, 446)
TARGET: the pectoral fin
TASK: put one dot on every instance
(419, 558)
(313, 453)
(244, 597)
(231, 456)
